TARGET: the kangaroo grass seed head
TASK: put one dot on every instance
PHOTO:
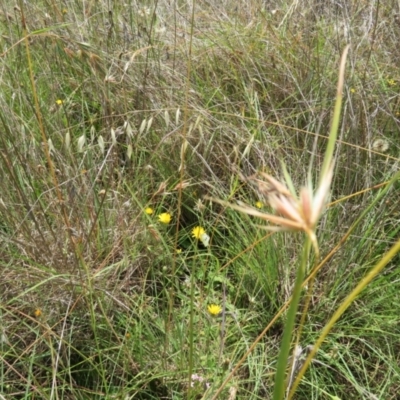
(294, 213)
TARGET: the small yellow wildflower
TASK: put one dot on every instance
(37, 312)
(352, 90)
(165, 218)
(214, 309)
(59, 102)
(178, 251)
(391, 82)
(200, 234)
(259, 204)
(197, 232)
(148, 210)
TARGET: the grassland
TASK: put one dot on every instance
(113, 114)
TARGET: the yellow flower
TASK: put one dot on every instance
(391, 82)
(165, 218)
(197, 232)
(178, 251)
(352, 90)
(59, 102)
(200, 234)
(214, 309)
(259, 204)
(37, 312)
(148, 210)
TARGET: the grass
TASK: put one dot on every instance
(107, 109)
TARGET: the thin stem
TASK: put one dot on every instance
(191, 329)
(182, 173)
(280, 379)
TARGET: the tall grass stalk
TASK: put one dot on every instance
(286, 344)
(280, 377)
